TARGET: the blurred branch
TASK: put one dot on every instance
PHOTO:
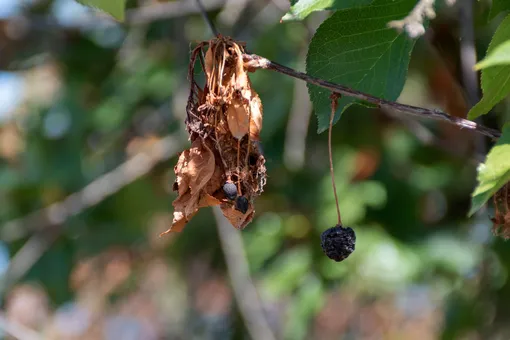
(245, 292)
(95, 192)
(426, 137)
(168, 10)
(297, 128)
(254, 61)
(471, 84)
(206, 18)
(468, 51)
(18, 330)
(467, 63)
(136, 16)
(27, 256)
(232, 11)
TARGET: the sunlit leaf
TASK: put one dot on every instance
(499, 56)
(115, 8)
(494, 173)
(300, 9)
(496, 79)
(356, 48)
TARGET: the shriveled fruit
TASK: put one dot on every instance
(230, 190)
(338, 242)
(242, 204)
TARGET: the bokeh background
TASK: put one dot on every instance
(92, 118)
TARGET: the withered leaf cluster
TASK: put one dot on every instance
(224, 119)
(501, 219)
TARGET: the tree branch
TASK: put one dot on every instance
(245, 292)
(95, 192)
(27, 256)
(17, 330)
(255, 62)
(426, 137)
(206, 18)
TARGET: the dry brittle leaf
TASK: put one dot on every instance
(256, 116)
(200, 167)
(217, 179)
(224, 119)
(244, 114)
(209, 62)
(501, 220)
(194, 169)
(181, 184)
(237, 218)
(242, 83)
(207, 200)
(238, 118)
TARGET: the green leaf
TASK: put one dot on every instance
(496, 79)
(356, 48)
(300, 9)
(494, 173)
(500, 56)
(115, 8)
(499, 6)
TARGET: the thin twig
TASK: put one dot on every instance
(95, 192)
(244, 290)
(294, 148)
(426, 137)
(470, 81)
(166, 10)
(206, 18)
(334, 105)
(467, 62)
(468, 51)
(254, 61)
(135, 16)
(27, 256)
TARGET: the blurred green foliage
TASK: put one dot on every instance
(95, 95)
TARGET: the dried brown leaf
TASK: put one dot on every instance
(207, 200)
(209, 62)
(219, 114)
(193, 171)
(256, 116)
(501, 220)
(200, 167)
(181, 183)
(178, 222)
(242, 82)
(238, 118)
(237, 218)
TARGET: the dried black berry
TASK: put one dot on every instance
(230, 190)
(242, 204)
(338, 242)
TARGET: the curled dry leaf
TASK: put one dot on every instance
(256, 116)
(238, 118)
(237, 218)
(501, 219)
(194, 171)
(224, 119)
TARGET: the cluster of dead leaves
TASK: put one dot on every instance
(501, 219)
(224, 119)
